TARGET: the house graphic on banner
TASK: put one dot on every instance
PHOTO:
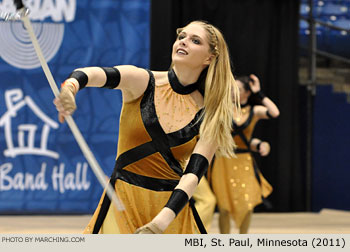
(26, 132)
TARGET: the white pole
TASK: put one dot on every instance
(78, 136)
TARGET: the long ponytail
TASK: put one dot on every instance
(221, 99)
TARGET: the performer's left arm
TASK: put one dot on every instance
(262, 147)
(269, 108)
(196, 167)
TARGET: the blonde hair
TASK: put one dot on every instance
(221, 99)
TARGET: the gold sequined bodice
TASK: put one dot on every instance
(174, 111)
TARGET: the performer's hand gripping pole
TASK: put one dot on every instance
(22, 12)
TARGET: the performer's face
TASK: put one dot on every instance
(191, 47)
(243, 94)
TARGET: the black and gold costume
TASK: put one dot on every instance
(149, 161)
(237, 182)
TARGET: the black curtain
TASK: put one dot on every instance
(262, 36)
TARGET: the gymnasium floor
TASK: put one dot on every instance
(325, 222)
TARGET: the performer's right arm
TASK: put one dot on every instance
(131, 80)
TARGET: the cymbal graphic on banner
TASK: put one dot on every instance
(16, 48)
(48, 19)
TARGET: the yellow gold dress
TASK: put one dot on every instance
(149, 161)
(235, 181)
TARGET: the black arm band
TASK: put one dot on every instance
(197, 165)
(258, 146)
(81, 77)
(260, 95)
(113, 77)
(269, 115)
(177, 201)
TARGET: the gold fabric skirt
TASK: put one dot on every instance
(141, 206)
(236, 187)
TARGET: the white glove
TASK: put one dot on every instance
(149, 228)
(65, 103)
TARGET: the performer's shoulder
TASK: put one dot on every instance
(160, 77)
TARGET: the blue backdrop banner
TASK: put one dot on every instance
(42, 169)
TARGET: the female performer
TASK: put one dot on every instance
(162, 116)
(237, 183)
